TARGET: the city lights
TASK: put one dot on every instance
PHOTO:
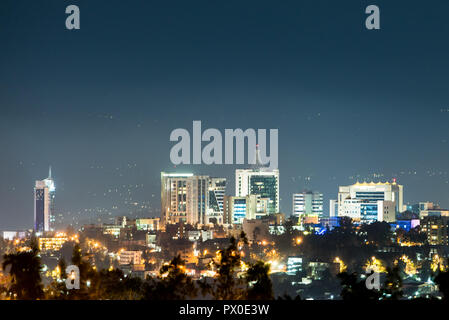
(225, 151)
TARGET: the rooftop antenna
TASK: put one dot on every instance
(258, 163)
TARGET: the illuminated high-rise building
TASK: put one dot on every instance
(308, 206)
(197, 199)
(44, 204)
(174, 197)
(186, 198)
(369, 202)
(261, 181)
(217, 191)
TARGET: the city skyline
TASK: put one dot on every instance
(48, 186)
(99, 103)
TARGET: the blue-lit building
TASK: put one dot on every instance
(235, 209)
(330, 222)
(406, 225)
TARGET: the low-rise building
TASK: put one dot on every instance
(130, 257)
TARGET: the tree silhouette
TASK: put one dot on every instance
(24, 269)
(442, 280)
(87, 275)
(172, 283)
(378, 233)
(227, 285)
(259, 282)
(114, 285)
(393, 284)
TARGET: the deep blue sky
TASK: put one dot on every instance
(98, 104)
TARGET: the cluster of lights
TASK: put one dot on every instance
(341, 263)
(438, 263)
(375, 265)
(410, 267)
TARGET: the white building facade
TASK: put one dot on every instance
(263, 182)
(369, 202)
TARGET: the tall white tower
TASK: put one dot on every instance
(44, 200)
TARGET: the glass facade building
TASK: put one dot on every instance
(308, 205)
(191, 199)
(262, 182)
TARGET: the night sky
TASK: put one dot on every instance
(98, 104)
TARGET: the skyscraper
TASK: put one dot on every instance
(197, 199)
(44, 204)
(174, 197)
(260, 181)
(186, 198)
(308, 206)
(217, 191)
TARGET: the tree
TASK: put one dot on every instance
(57, 290)
(114, 285)
(442, 280)
(24, 269)
(172, 283)
(393, 284)
(259, 282)
(285, 241)
(87, 274)
(378, 233)
(227, 285)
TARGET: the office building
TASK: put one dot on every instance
(369, 202)
(44, 204)
(429, 209)
(236, 209)
(217, 191)
(52, 243)
(308, 206)
(186, 198)
(259, 181)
